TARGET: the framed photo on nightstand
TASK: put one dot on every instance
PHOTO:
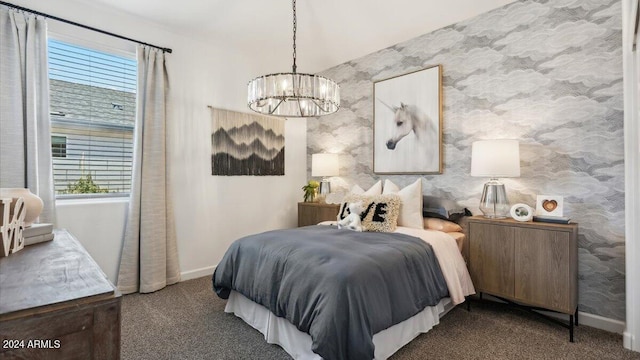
(549, 205)
(521, 212)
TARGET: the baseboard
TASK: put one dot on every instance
(627, 341)
(595, 321)
(197, 273)
(603, 323)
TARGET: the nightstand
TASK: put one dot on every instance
(527, 263)
(311, 213)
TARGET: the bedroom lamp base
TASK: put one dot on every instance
(494, 203)
(325, 187)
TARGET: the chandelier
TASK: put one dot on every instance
(293, 94)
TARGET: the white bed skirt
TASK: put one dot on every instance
(277, 330)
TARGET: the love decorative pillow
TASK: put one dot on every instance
(380, 211)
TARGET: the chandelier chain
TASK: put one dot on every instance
(292, 94)
(295, 27)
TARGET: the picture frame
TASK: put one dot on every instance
(407, 123)
(521, 212)
(549, 205)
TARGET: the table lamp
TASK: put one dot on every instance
(495, 159)
(324, 165)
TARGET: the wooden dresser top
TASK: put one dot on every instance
(50, 275)
(525, 224)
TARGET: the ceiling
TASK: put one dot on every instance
(330, 32)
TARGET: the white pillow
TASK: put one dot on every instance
(376, 189)
(411, 207)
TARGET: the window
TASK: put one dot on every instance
(93, 109)
(59, 146)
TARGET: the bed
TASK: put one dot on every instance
(389, 288)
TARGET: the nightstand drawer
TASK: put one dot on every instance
(310, 213)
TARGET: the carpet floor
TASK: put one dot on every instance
(187, 321)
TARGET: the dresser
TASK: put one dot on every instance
(56, 303)
(312, 213)
(529, 263)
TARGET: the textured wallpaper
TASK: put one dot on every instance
(548, 73)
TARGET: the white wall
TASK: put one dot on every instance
(211, 212)
(631, 61)
(99, 226)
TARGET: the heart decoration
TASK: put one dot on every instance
(549, 205)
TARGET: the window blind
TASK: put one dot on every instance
(93, 109)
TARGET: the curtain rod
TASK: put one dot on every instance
(84, 26)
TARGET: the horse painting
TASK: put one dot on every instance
(424, 143)
(407, 123)
(408, 118)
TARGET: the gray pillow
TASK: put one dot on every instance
(441, 208)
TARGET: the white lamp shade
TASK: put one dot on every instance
(495, 158)
(324, 165)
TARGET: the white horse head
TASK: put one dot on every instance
(406, 118)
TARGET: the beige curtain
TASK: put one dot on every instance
(149, 259)
(25, 129)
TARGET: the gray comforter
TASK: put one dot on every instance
(339, 286)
